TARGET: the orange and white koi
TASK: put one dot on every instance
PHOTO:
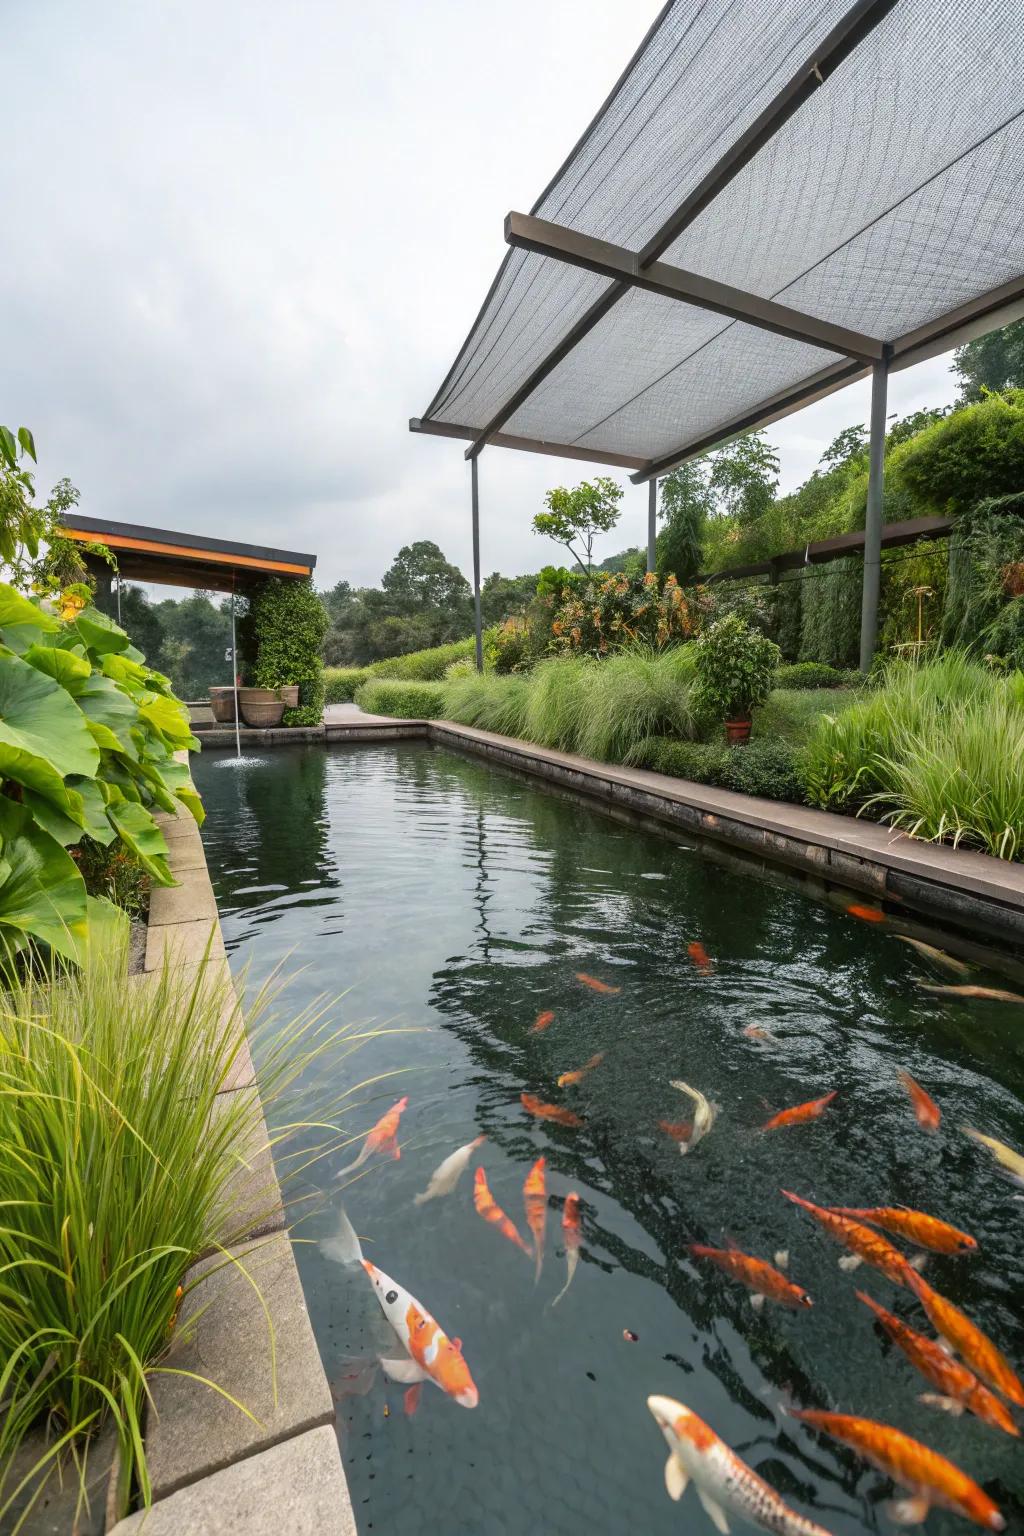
(865, 1246)
(571, 1237)
(982, 994)
(762, 1279)
(380, 1138)
(700, 957)
(929, 1477)
(705, 1114)
(800, 1113)
(535, 1200)
(926, 1111)
(542, 1021)
(597, 986)
(570, 1079)
(958, 1387)
(554, 1112)
(975, 1348)
(755, 1032)
(866, 914)
(447, 1174)
(490, 1210)
(433, 1356)
(940, 957)
(925, 1231)
(679, 1130)
(1012, 1161)
(724, 1484)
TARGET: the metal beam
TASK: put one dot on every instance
(477, 624)
(822, 551)
(846, 35)
(528, 444)
(615, 261)
(873, 518)
(652, 525)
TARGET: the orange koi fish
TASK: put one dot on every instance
(959, 1388)
(597, 986)
(700, 957)
(381, 1138)
(555, 1112)
(801, 1113)
(490, 1210)
(866, 914)
(679, 1130)
(570, 1079)
(755, 1032)
(761, 1278)
(724, 1484)
(984, 994)
(926, 1231)
(926, 1110)
(542, 1021)
(571, 1237)
(535, 1199)
(432, 1355)
(930, 1478)
(975, 1348)
(865, 1246)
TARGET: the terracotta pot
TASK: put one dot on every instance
(737, 732)
(261, 714)
(222, 703)
(290, 695)
(258, 696)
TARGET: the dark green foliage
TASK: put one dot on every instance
(403, 700)
(423, 601)
(975, 453)
(687, 501)
(426, 666)
(340, 683)
(991, 362)
(703, 762)
(814, 674)
(984, 607)
(788, 601)
(112, 870)
(735, 668)
(631, 561)
(142, 622)
(281, 636)
(766, 768)
(745, 476)
(830, 613)
(503, 596)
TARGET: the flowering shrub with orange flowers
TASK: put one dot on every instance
(615, 610)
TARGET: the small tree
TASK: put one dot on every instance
(745, 474)
(578, 516)
(687, 502)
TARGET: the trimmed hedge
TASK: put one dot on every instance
(770, 769)
(341, 683)
(815, 674)
(427, 666)
(402, 700)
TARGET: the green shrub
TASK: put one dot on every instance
(114, 872)
(937, 749)
(734, 668)
(340, 683)
(830, 605)
(490, 702)
(772, 769)
(703, 762)
(815, 674)
(427, 666)
(984, 609)
(403, 700)
(609, 612)
(282, 634)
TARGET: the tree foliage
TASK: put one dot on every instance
(575, 517)
(687, 502)
(991, 363)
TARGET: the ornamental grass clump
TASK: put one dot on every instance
(116, 1174)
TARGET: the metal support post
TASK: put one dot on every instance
(873, 517)
(234, 670)
(476, 563)
(652, 530)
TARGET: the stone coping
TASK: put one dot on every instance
(212, 1468)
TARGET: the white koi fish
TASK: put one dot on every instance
(725, 1485)
(433, 1356)
(703, 1118)
(445, 1177)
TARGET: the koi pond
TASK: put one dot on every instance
(443, 895)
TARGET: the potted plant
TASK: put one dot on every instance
(735, 670)
(222, 704)
(261, 707)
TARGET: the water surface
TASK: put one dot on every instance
(443, 894)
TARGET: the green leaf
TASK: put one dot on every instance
(94, 808)
(62, 665)
(22, 622)
(28, 442)
(39, 775)
(105, 704)
(179, 780)
(105, 930)
(137, 828)
(43, 895)
(8, 447)
(37, 715)
(169, 718)
(99, 634)
(53, 820)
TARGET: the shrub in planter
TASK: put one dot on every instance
(282, 634)
(735, 669)
(405, 701)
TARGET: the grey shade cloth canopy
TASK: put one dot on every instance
(890, 201)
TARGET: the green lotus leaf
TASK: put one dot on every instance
(20, 613)
(39, 775)
(103, 703)
(43, 894)
(38, 716)
(178, 779)
(103, 736)
(137, 828)
(118, 782)
(94, 808)
(98, 633)
(66, 829)
(63, 666)
(169, 718)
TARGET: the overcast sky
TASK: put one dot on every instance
(243, 241)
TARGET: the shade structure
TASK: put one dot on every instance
(776, 195)
(184, 559)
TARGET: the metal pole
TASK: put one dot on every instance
(119, 597)
(873, 517)
(652, 532)
(476, 564)
(234, 670)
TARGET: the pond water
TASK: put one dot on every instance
(444, 895)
